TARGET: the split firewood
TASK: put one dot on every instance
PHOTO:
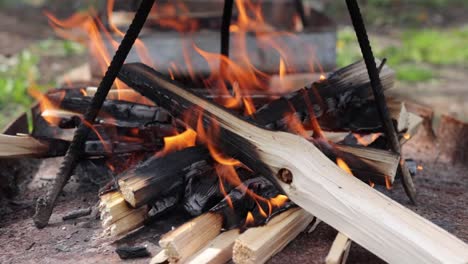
(27, 146)
(219, 250)
(259, 244)
(21, 146)
(184, 241)
(311, 180)
(453, 140)
(117, 217)
(339, 250)
(160, 176)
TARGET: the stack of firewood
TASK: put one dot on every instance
(249, 219)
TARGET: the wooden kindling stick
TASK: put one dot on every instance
(339, 250)
(311, 180)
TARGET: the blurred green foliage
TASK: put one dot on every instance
(418, 50)
(21, 72)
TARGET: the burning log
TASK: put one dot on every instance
(313, 182)
(453, 140)
(219, 250)
(160, 176)
(339, 250)
(373, 165)
(345, 87)
(184, 241)
(259, 244)
(120, 113)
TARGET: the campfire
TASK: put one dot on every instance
(255, 138)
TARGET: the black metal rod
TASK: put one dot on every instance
(225, 25)
(300, 9)
(45, 204)
(378, 92)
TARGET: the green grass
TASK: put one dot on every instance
(21, 72)
(418, 50)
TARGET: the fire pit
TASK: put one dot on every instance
(233, 154)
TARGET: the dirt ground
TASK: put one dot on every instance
(441, 187)
(442, 199)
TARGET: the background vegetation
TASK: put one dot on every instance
(416, 36)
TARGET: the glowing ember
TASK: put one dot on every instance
(407, 136)
(420, 168)
(388, 182)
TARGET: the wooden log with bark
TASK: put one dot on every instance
(312, 181)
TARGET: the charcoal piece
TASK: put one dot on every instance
(163, 205)
(132, 252)
(201, 190)
(244, 202)
(77, 214)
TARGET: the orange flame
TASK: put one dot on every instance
(46, 104)
(366, 140)
(178, 142)
(342, 164)
(249, 220)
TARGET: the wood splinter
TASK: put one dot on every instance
(339, 250)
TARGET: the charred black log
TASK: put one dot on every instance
(159, 177)
(342, 91)
(120, 113)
